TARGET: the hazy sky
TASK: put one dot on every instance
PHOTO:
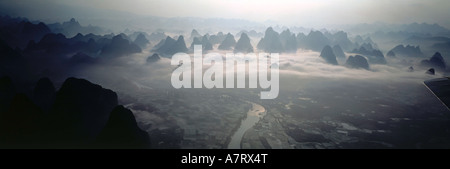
(290, 12)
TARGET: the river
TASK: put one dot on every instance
(253, 116)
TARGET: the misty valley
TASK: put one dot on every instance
(67, 85)
(213, 77)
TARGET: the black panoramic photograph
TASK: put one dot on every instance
(224, 74)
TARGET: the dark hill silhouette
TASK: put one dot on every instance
(119, 46)
(134, 35)
(18, 33)
(430, 71)
(169, 46)
(328, 55)
(243, 45)
(206, 44)
(228, 43)
(374, 55)
(391, 54)
(122, 131)
(124, 36)
(157, 36)
(301, 40)
(271, 42)
(406, 51)
(179, 46)
(359, 40)
(217, 39)
(315, 41)
(164, 44)
(436, 61)
(289, 41)
(8, 55)
(57, 44)
(102, 40)
(196, 41)
(82, 115)
(340, 38)
(337, 50)
(194, 34)
(44, 94)
(154, 58)
(72, 27)
(367, 46)
(20, 125)
(357, 62)
(141, 41)
(81, 110)
(6, 20)
(7, 92)
(51, 43)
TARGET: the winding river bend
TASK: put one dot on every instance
(253, 115)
